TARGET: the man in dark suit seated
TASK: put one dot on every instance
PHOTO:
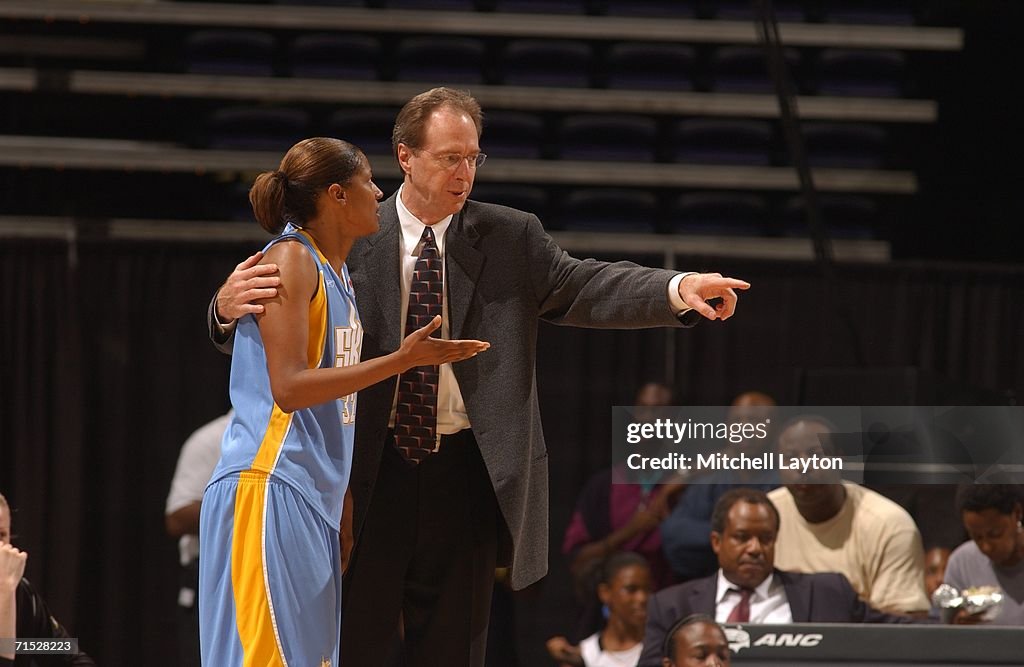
(747, 588)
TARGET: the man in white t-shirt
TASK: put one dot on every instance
(198, 458)
(830, 525)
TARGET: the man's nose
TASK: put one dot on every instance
(463, 170)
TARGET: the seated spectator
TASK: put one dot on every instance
(198, 458)
(624, 589)
(830, 525)
(930, 507)
(751, 407)
(696, 641)
(611, 516)
(685, 531)
(747, 588)
(935, 561)
(12, 567)
(23, 612)
(995, 555)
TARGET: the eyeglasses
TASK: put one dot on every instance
(452, 160)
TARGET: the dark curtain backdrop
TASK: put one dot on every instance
(106, 369)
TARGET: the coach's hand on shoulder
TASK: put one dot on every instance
(419, 349)
(697, 288)
(249, 283)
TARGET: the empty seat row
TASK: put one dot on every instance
(646, 211)
(880, 12)
(605, 137)
(705, 213)
(615, 209)
(532, 62)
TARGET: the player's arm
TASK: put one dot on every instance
(184, 520)
(284, 326)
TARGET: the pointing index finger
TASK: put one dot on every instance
(732, 283)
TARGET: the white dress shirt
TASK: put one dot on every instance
(451, 409)
(768, 602)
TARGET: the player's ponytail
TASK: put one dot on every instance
(290, 193)
(267, 197)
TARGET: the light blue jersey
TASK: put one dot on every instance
(270, 574)
(309, 449)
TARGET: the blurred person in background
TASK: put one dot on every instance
(23, 612)
(696, 641)
(624, 589)
(198, 458)
(685, 530)
(832, 525)
(992, 515)
(612, 515)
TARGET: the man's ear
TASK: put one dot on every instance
(716, 541)
(403, 153)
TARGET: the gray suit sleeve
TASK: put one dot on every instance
(591, 293)
(222, 342)
(654, 633)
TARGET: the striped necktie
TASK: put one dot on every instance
(416, 411)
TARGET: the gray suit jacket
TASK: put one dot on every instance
(504, 273)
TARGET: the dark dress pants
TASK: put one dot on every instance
(426, 555)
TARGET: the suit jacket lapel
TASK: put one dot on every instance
(704, 596)
(381, 284)
(463, 263)
(799, 597)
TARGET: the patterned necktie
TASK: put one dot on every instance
(416, 411)
(741, 612)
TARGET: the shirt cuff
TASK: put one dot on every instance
(224, 329)
(674, 300)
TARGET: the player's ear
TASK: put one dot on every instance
(336, 192)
